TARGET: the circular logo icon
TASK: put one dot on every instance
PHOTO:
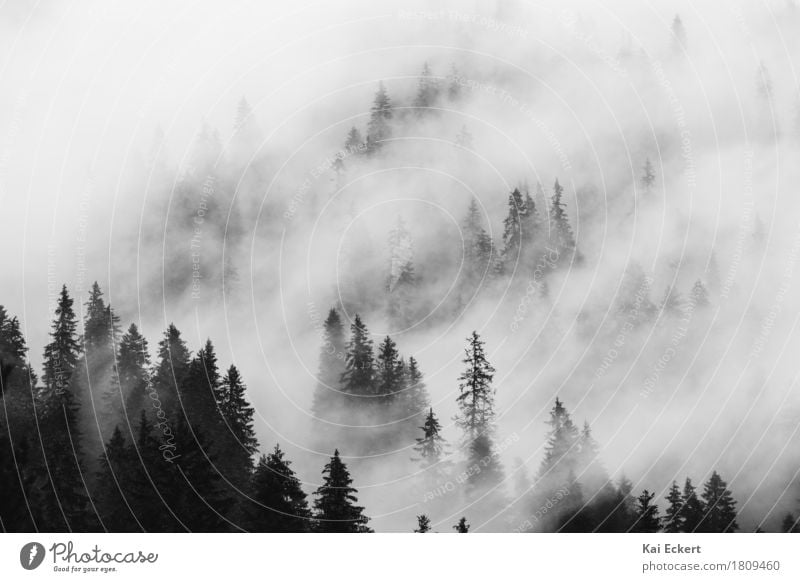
(31, 555)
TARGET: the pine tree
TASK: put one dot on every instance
(238, 442)
(562, 445)
(414, 399)
(512, 232)
(720, 507)
(336, 511)
(378, 128)
(279, 503)
(199, 392)
(111, 493)
(693, 510)
(358, 377)
(561, 236)
(133, 365)
(647, 520)
(648, 177)
(453, 84)
(171, 368)
(673, 517)
(354, 142)
(427, 91)
(401, 280)
(476, 398)
(478, 251)
(423, 524)
(462, 526)
(587, 462)
(430, 447)
(327, 401)
(64, 504)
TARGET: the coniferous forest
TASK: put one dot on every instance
(459, 295)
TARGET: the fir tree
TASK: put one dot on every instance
(279, 503)
(562, 444)
(430, 447)
(720, 507)
(476, 395)
(358, 376)
(327, 400)
(673, 516)
(354, 142)
(113, 480)
(171, 368)
(238, 442)
(414, 399)
(561, 236)
(133, 365)
(336, 511)
(693, 510)
(427, 91)
(390, 377)
(423, 524)
(462, 526)
(647, 520)
(378, 128)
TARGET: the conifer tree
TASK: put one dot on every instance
(673, 516)
(279, 503)
(415, 398)
(512, 232)
(427, 91)
(693, 510)
(391, 374)
(561, 235)
(113, 480)
(133, 364)
(476, 395)
(720, 507)
(647, 520)
(430, 447)
(327, 400)
(336, 509)
(238, 442)
(354, 142)
(378, 128)
(423, 524)
(462, 526)
(359, 374)
(171, 368)
(64, 504)
(561, 450)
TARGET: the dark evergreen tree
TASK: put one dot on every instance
(327, 400)
(414, 398)
(423, 524)
(359, 374)
(430, 447)
(647, 520)
(64, 506)
(693, 510)
(133, 364)
(720, 507)
(476, 395)
(238, 442)
(562, 238)
(561, 450)
(512, 254)
(111, 492)
(462, 526)
(389, 381)
(673, 516)
(279, 503)
(379, 128)
(427, 92)
(170, 369)
(336, 509)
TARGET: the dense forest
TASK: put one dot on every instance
(172, 446)
(506, 309)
